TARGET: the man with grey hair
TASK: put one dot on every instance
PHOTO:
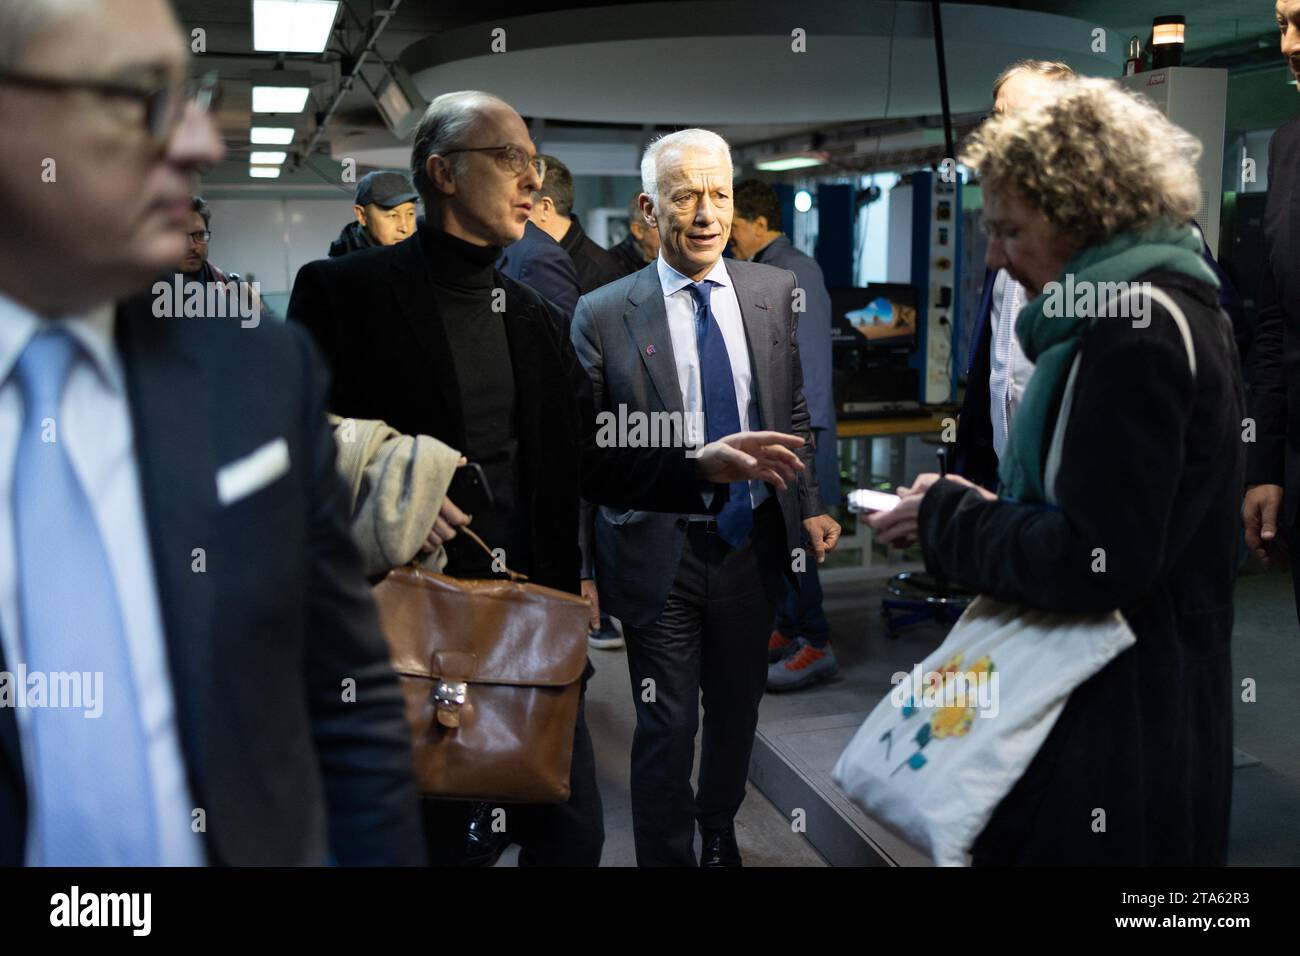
(454, 349)
(182, 538)
(712, 345)
(998, 371)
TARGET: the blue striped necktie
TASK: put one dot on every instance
(721, 414)
(91, 776)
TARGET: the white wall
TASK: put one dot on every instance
(271, 239)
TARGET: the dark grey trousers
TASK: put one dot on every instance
(711, 640)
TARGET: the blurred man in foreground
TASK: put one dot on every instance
(217, 597)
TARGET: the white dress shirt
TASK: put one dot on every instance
(95, 428)
(679, 303)
(1009, 368)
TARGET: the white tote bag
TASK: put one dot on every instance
(938, 754)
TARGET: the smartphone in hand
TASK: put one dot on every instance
(868, 501)
(469, 489)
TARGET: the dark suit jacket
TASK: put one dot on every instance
(1274, 457)
(397, 366)
(814, 327)
(637, 553)
(538, 261)
(260, 643)
(975, 457)
(596, 267)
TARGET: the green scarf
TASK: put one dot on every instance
(1050, 342)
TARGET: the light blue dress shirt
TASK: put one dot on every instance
(95, 427)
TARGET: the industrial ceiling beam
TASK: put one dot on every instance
(358, 59)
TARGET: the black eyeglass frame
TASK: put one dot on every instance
(161, 104)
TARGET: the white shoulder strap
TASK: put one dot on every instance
(1067, 400)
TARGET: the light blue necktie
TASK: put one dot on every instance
(91, 774)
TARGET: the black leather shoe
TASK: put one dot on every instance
(483, 845)
(719, 848)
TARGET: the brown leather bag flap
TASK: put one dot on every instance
(455, 665)
(512, 633)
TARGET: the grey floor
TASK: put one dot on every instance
(1266, 792)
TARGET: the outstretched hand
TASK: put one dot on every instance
(751, 456)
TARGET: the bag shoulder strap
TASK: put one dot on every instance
(517, 576)
(1057, 447)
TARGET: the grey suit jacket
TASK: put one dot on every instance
(620, 332)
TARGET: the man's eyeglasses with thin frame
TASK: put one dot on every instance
(163, 105)
(510, 156)
(202, 236)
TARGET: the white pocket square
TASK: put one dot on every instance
(241, 478)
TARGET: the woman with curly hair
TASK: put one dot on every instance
(1121, 481)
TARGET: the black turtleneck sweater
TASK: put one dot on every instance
(464, 276)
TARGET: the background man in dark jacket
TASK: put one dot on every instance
(1273, 458)
(553, 214)
(538, 262)
(799, 648)
(641, 244)
(216, 586)
(439, 357)
(385, 211)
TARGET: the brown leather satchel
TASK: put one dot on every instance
(491, 671)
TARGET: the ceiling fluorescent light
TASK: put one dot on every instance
(271, 135)
(272, 158)
(280, 99)
(781, 162)
(264, 172)
(293, 26)
(280, 91)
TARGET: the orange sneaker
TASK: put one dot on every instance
(778, 645)
(806, 665)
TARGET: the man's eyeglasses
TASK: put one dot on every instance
(201, 236)
(511, 157)
(162, 105)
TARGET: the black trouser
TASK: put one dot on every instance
(711, 637)
(552, 834)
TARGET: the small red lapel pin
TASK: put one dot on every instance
(649, 350)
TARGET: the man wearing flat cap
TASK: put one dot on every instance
(385, 210)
